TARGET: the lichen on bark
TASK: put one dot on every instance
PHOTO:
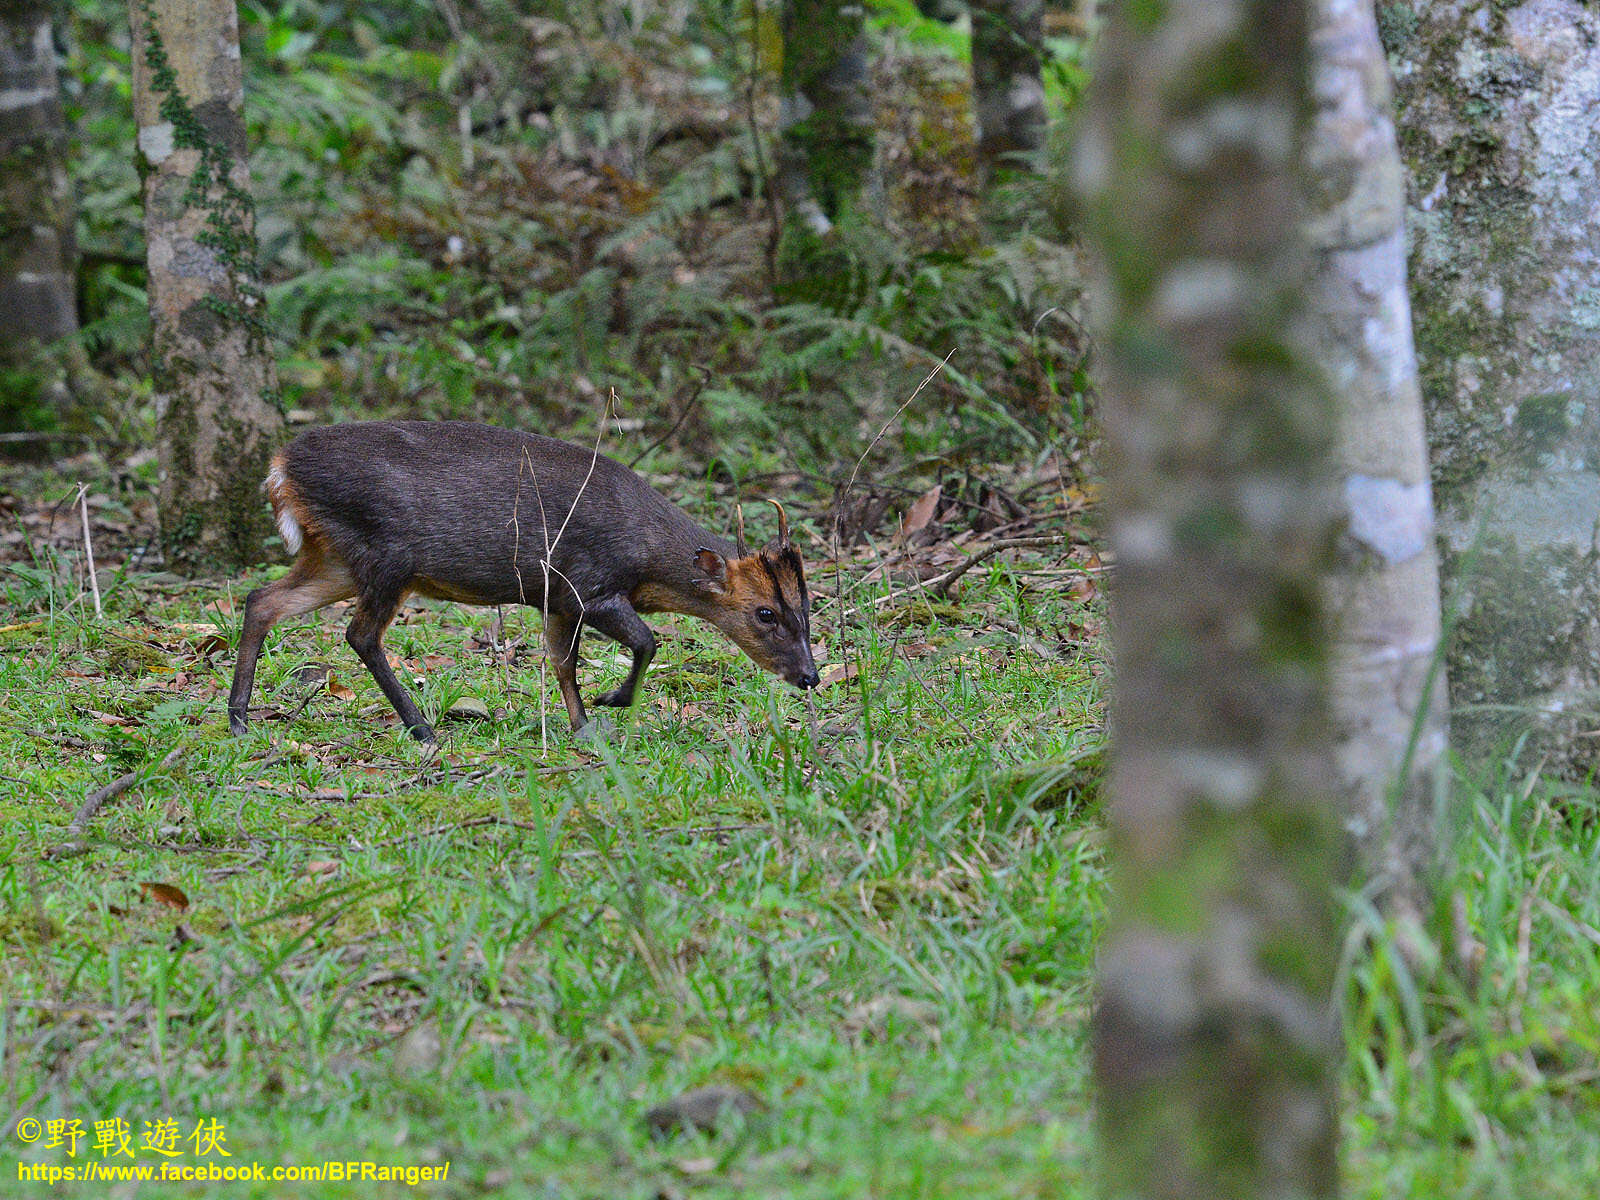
(1500, 112)
(38, 304)
(1389, 694)
(215, 381)
(1215, 1044)
(1007, 88)
(826, 172)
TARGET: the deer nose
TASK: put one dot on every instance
(810, 679)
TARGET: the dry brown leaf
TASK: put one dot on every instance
(322, 866)
(112, 719)
(839, 672)
(687, 710)
(165, 893)
(873, 1018)
(202, 636)
(922, 511)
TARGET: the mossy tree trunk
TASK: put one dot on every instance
(1007, 88)
(1389, 691)
(37, 258)
(215, 380)
(826, 138)
(1216, 1044)
(1500, 134)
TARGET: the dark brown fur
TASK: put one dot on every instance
(483, 515)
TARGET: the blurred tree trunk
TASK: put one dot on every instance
(38, 301)
(215, 380)
(826, 137)
(1007, 90)
(1385, 586)
(1500, 134)
(1216, 1040)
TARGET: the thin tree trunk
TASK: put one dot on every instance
(1389, 694)
(1007, 90)
(1500, 134)
(215, 380)
(37, 256)
(1216, 1044)
(826, 134)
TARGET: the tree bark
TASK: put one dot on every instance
(1216, 1044)
(38, 301)
(1500, 133)
(215, 379)
(1007, 88)
(1389, 693)
(826, 138)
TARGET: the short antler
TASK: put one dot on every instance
(783, 523)
(738, 530)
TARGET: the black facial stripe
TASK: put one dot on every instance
(777, 588)
(793, 557)
(794, 620)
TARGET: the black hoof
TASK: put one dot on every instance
(238, 724)
(423, 734)
(616, 698)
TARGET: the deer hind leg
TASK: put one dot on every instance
(561, 636)
(317, 578)
(375, 610)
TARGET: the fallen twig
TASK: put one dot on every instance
(56, 436)
(940, 585)
(88, 548)
(716, 831)
(470, 823)
(75, 844)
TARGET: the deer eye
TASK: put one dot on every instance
(766, 616)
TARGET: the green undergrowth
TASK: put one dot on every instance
(506, 222)
(875, 913)
(1474, 1043)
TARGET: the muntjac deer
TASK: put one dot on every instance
(481, 515)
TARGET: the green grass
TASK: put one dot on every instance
(879, 918)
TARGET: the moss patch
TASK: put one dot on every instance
(1520, 635)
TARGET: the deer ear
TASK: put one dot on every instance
(713, 569)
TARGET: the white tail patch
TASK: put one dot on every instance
(277, 485)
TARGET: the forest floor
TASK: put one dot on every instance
(873, 914)
(872, 911)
